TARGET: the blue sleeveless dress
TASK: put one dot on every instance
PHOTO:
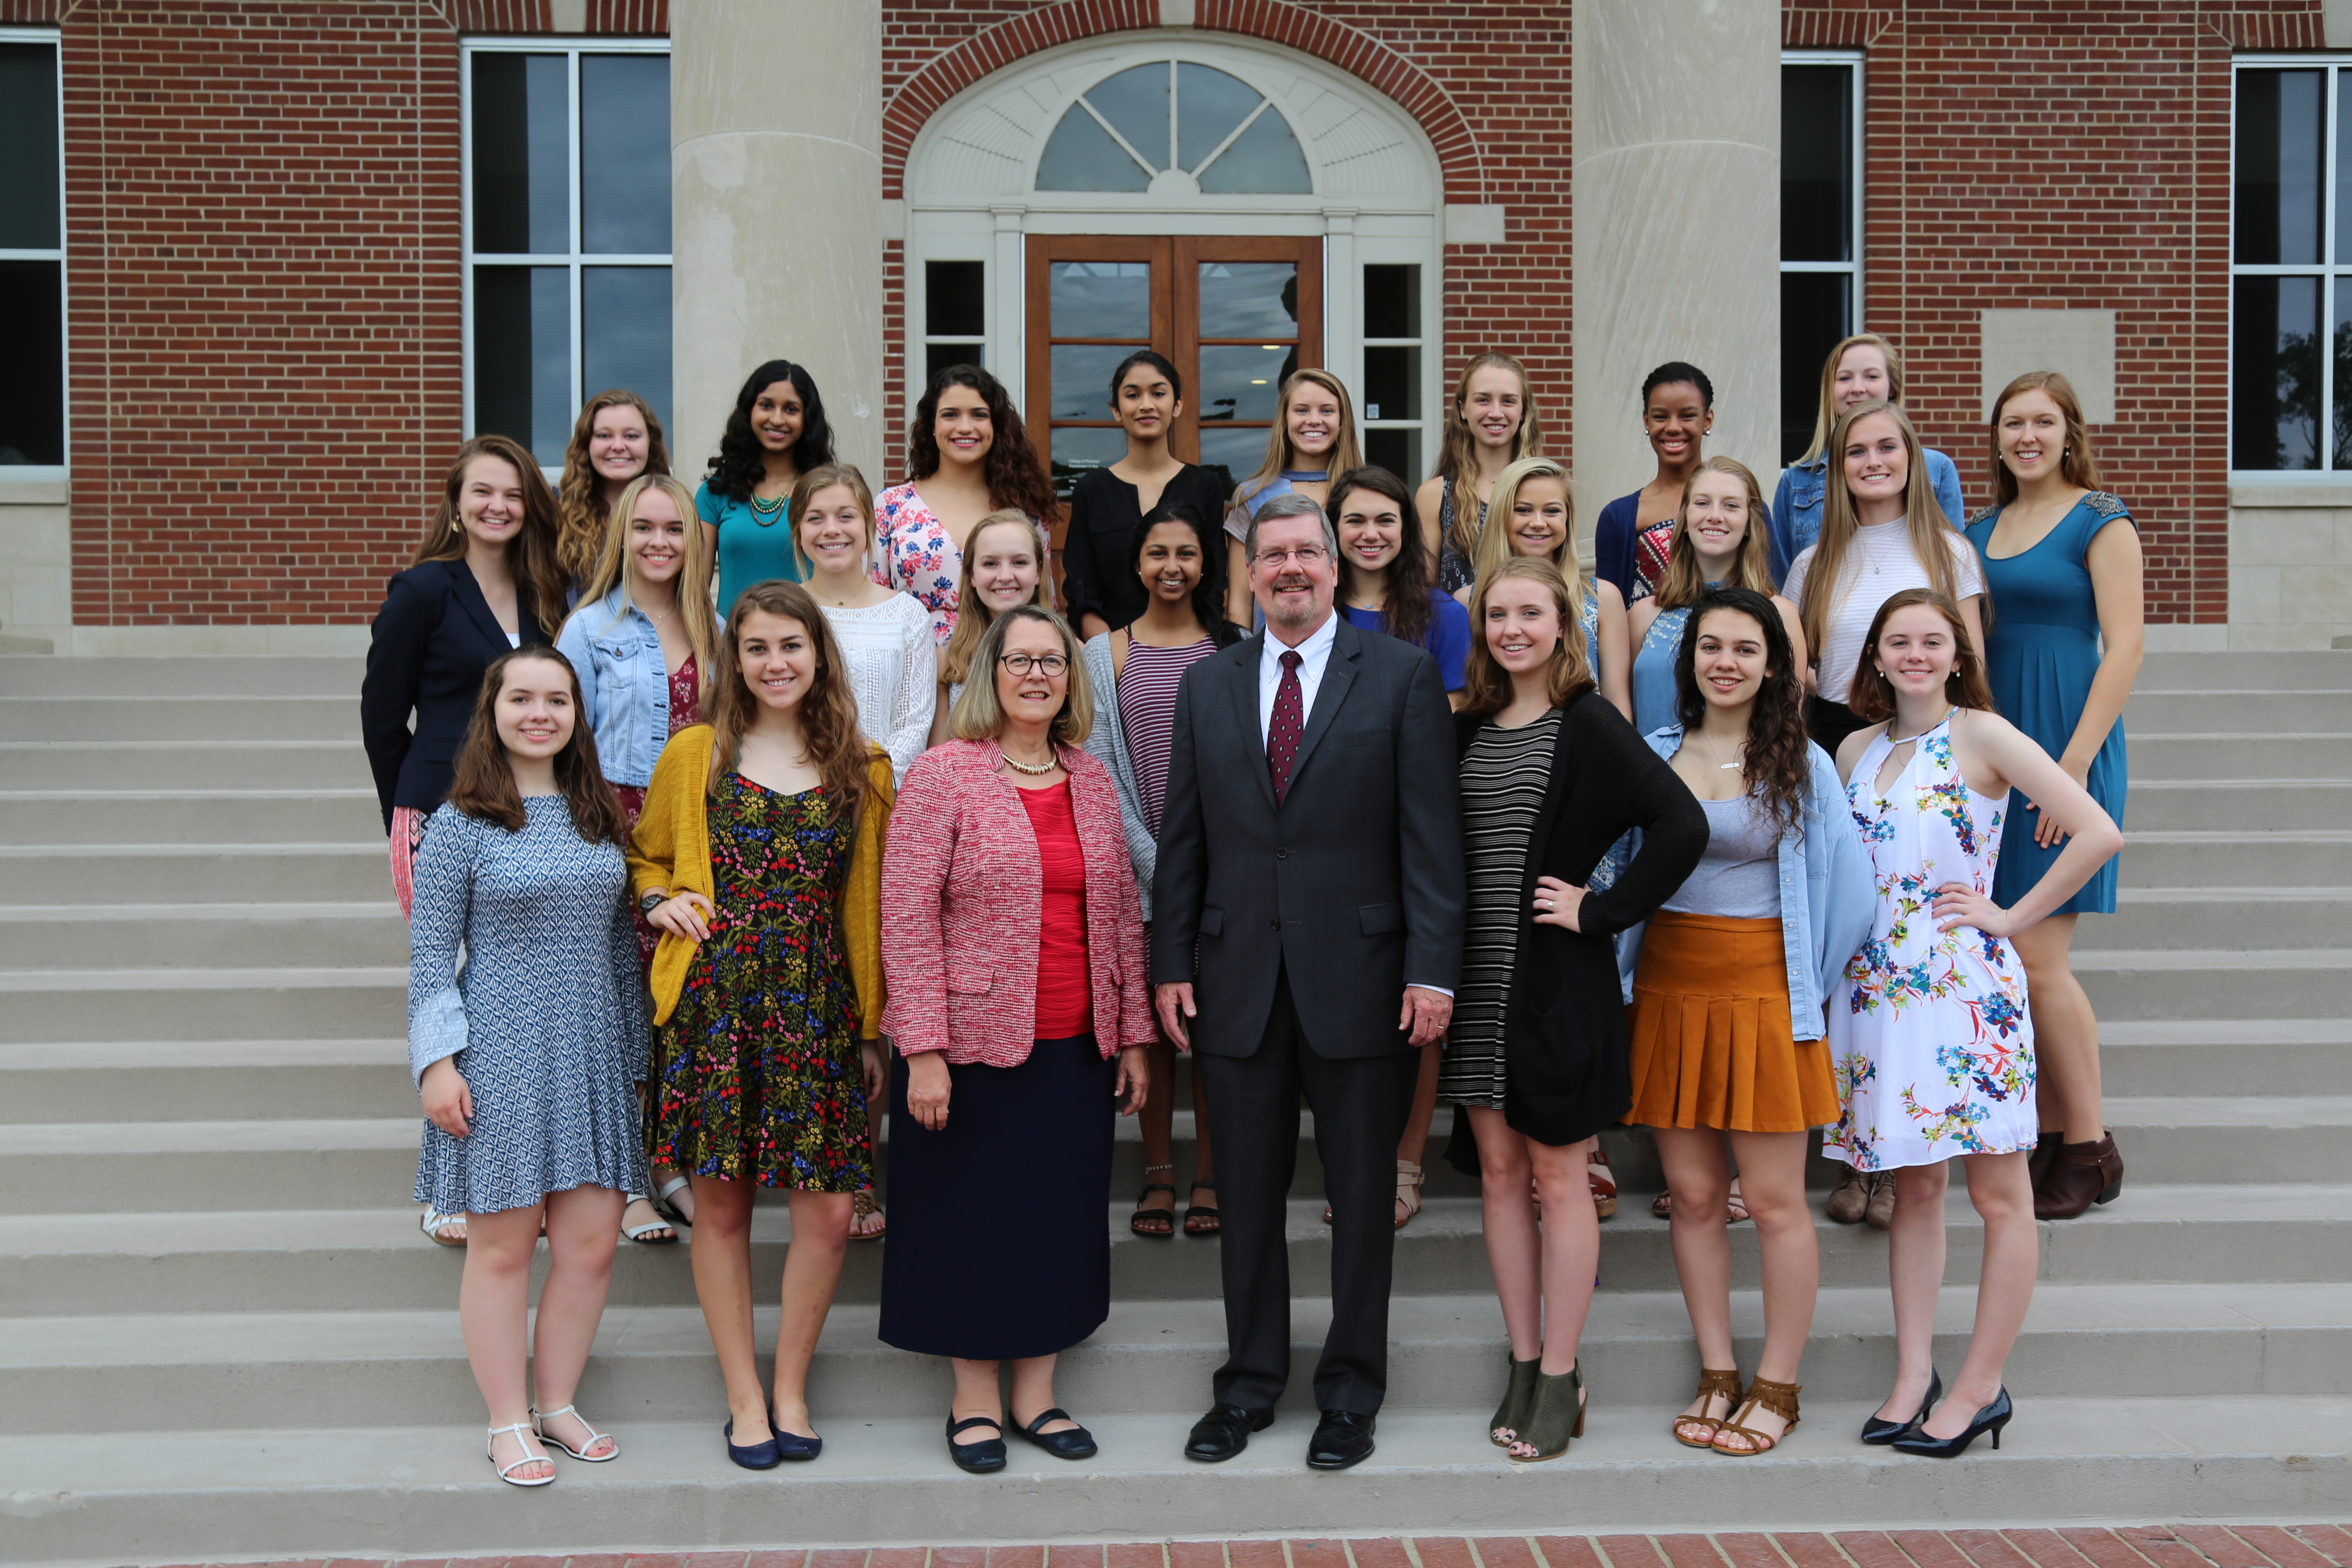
(2042, 652)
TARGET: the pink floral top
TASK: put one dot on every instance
(913, 553)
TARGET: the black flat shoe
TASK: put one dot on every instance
(1990, 1418)
(983, 1457)
(1341, 1438)
(759, 1455)
(1223, 1432)
(1076, 1444)
(1881, 1431)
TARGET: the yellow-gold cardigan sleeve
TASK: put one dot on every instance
(861, 897)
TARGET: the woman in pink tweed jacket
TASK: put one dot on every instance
(1013, 942)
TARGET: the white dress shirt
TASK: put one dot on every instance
(1314, 654)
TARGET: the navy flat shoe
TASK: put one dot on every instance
(791, 1446)
(763, 1455)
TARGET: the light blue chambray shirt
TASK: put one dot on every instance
(623, 686)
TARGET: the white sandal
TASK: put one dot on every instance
(1408, 1192)
(431, 1221)
(521, 1430)
(668, 1210)
(644, 1234)
(538, 1429)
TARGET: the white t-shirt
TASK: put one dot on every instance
(894, 673)
(1879, 565)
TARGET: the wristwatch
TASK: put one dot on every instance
(651, 901)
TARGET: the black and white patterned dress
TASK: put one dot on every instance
(546, 1017)
(1504, 774)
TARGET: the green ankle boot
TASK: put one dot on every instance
(1558, 1415)
(1518, 1399)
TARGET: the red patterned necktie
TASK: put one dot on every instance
(1281, 734)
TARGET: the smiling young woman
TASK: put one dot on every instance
(1534, 517)
(1631, 539)
(1861, 369)
(777, 432)
(1490, 424)
(1147, 397)
(1003, 565)
(1313, 442)
(1718, 540)
(884, 636)
(616, 440)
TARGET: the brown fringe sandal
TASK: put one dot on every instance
(1712, 1382)
(1781, 1399)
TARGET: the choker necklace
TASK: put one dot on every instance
(1034, 770)
(1305, 475)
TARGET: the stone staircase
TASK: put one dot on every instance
(224, 1337)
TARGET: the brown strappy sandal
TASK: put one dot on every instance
(1712, 1382)
(1781, 1399)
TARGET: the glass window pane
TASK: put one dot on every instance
(955, 298)
(1232, 452)
(1209, 104)
(1077, 450)
(1265, 159)
(2277, 207)
(1244, 381)
(2343, 352)
(1398, 451)
(1249, 300)
(29, 132)
(1391, 383)
(1816, 308)
(1081, 379)
(1100, 298)
(625, 154)
(1081, 156)
(1392, 301)
(1816, 163)
(2275, 373)
(522, 153)
(32, 345)
(1136, 101)
(624, 333)
(522, 357)
(938, 357)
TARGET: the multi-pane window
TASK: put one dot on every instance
(1174, 127)
(1821, 228)
(1393, 381)
(32, 253)
(2290, 270)
(955, 315)
(567, 234)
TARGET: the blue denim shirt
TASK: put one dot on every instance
(1795, 517)
(1828, 899)
(623, 686)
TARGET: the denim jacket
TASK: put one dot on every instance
(1795, 517)
(623, 686)
(1828, 899)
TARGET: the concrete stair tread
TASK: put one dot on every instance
(101, 981)
(2312, 895)
(129, 851)
(109, 914)
(132, 1055)
(312, 791)
(2233, 834)
(2336, 959)
(2225, 1032)
(2243, 1110)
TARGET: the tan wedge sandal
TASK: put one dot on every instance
(1779, 1398)
(1712, 1382)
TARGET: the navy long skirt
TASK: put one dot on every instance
(1000, 1231)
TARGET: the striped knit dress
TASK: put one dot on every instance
(1147, 714)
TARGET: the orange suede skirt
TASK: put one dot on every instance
(1709, 1030)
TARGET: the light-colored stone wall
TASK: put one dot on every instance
(2290, 565)
(35, 562)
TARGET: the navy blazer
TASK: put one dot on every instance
(1354, 883)
(432, 638)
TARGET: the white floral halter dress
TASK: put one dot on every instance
(1928, 1032)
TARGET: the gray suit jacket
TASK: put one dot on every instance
(1354, 883)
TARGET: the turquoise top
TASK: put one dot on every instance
(753, 545)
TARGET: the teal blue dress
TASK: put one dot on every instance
(753, 545)
(2042, 652)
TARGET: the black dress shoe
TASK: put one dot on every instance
(1223, 1432)
(985, 1457)
(1341, 1438)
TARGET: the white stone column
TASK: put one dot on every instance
(776, 208)
(1677, 227)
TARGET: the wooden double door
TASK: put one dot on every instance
(1234, 315)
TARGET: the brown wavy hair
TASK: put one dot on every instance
(541, 580)
(485, 789)
(1873, 697)
(1751, 568)
(972, 612)
(1017, 475)
(1457, 458)
(2077, 465)
(580, 507)
(1778, 762)
(835, 747)
(1923, 517)
(1488, 689)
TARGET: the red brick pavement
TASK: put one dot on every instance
(2140, 1546)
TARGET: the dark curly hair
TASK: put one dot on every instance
(1015, 476)
(739, 468)
(1779, 759)
(1407, 611)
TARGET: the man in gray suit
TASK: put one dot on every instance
(1311, 846)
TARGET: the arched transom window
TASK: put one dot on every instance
(1174, 128)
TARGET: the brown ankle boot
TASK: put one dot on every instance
(2044, 1156)
(1850, 1197)
(2085, 1174)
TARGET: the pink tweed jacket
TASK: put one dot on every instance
(961, 896)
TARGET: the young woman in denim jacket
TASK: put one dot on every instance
(1862, 367)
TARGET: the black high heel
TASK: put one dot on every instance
(1881, 1431)
(1990, 1418)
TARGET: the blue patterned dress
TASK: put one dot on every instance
(545, 1016)
(1928, 1032)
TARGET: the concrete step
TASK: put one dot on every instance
(206, 1080)
(2214, 983)
(243, 1371)
(54, 1263)
(2319, 667)
(2221, 1058)
(184, 764)
(66, 1004)
(191, 816)
(368, 934)
(152, 677)
(2242, 804)
(371, 1491)
(2241, 711)
(145, 872)
(2162, 918)
(193, 717)
(2227, 857)
(2216, 754)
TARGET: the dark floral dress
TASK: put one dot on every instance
(758, 1066)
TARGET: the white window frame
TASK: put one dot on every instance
(1429, 342)
(50, 473)
(1852, 267)
(2330, 272)
(572, 48)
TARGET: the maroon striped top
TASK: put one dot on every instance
(1147, 714)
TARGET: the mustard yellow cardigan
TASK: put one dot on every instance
(671, 849)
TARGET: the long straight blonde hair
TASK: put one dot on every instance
(1923, 518)
(616, 568)
(1458, 460)
(1346, 453)
(1825, 414)
(1494, 540)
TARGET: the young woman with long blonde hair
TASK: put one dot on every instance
(1490, 424)
(1312, 443)
(1534, 512)
(1858, 370)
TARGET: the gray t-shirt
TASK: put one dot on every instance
(1739, 876)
